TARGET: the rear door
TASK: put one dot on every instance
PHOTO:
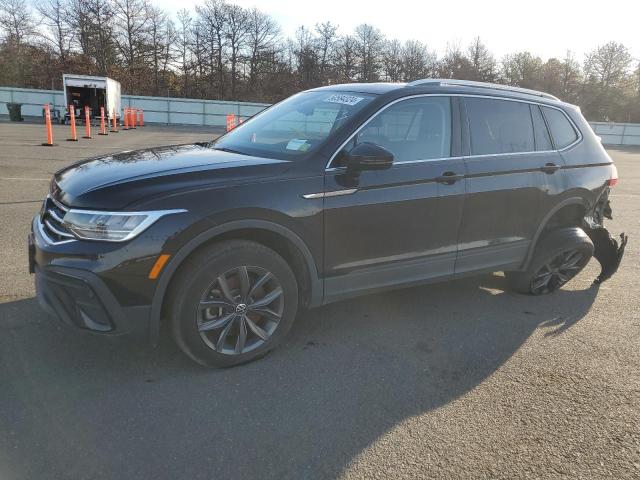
(506, 184)
(400, 225)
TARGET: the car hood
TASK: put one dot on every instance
(119, 180)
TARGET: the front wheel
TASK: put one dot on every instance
(559, 256)
(232, 303)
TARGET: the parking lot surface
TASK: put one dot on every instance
(456, 380)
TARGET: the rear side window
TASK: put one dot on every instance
(499, 126)
(413, 129)
(562, 131)
(543, 140)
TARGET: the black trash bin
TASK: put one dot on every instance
(15, 112)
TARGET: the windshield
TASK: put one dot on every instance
(296, 126)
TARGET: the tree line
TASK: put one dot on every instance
(223, 51)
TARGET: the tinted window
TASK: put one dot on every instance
(414, 129)
(499, 126)
(561, 129)
(543, 140)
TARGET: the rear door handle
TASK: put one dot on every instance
(550, 168)
(449, 178)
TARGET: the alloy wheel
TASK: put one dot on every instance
(556, 272)
(240, 310)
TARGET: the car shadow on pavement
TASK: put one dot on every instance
(101, 408)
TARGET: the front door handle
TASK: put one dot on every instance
(550, 168)
(449, 178)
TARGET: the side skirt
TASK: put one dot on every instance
(389, 276)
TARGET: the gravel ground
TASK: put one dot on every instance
(456, 380)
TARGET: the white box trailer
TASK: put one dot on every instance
(94, 92)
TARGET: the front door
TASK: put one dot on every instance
(397, 226)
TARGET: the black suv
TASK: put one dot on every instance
(334, 192)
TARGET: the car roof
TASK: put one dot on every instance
(445, 86)
(375, 88)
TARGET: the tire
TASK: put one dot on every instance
(227, 277)
(559, 256)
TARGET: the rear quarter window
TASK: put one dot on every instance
(499, 126)
(543, 140)
(562, 131)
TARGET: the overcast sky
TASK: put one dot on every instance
(545, 27)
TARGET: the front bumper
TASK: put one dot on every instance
(81, 299)
(98, 288)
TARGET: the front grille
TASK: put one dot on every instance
(51, 221)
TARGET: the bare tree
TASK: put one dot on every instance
(417, 61)
(522, 69)
(392, 61)
(608, 65)
(482, 63)
(327, 34)
(158, 35)
(77, 17)
(368, 45)
(570, 78)
(60, 35)
(608, 82)
(17, 21)
(346, 59)
(131, 28)
(307, 65)
(236, 33)
(185, 23)
(213, 16)
(100, 17)
(262, 36)
(168, 55)
(455, 64)
(212, 19)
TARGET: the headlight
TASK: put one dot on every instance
(111, 226)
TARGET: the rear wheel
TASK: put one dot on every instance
(558, 257)
(232, 303)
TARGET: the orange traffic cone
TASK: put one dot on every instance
(103, 128)
(87, 123)
(72, 121)
(231, 121)
(47, 121)
(114, 127)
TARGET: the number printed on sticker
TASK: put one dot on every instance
(344, 99)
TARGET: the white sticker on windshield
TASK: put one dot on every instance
(344, 99)
(298, 145)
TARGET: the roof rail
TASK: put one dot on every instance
(470, 83)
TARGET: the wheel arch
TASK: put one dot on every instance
(570, 207)
(260, 231)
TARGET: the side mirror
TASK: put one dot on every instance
(368, 156)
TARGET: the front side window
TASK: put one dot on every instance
(413, 129)
(499, 126)
(561, 129)
(296, 126)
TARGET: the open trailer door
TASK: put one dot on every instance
(91, 91)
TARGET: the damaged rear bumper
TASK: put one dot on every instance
(607, 250)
